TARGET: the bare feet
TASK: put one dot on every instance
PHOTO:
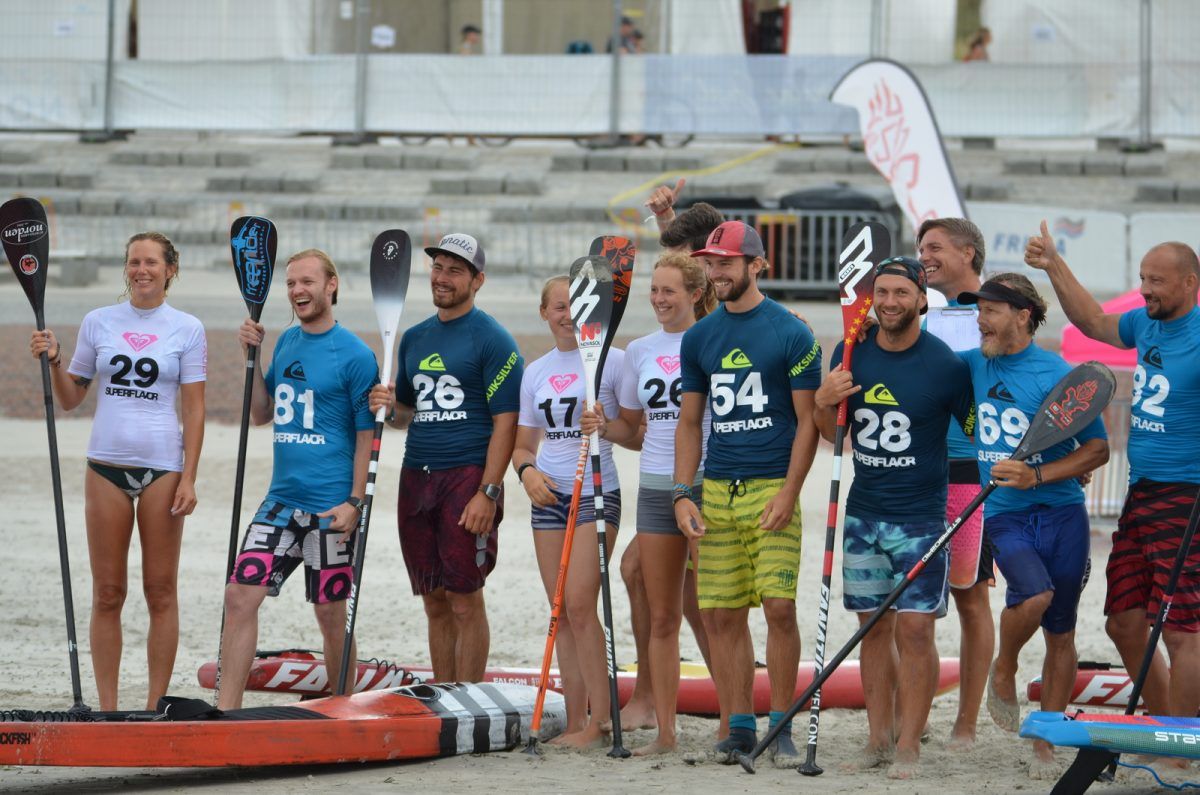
(1002, 700)
(868, 759)
(961, 739)
(1043, 767)
(907, 765)
(661, 745)
(583, 740)
(638, 714)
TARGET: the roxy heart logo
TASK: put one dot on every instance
(561, 382)
(139, 341)
(669, 364)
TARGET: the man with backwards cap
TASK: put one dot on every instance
(1036, 519)
(758, 367)
(905, 388)
(457, 391)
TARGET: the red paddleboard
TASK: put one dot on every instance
(303, 672)
(1096, 685)
(417, 722)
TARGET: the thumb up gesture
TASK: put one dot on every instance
(1040, 251)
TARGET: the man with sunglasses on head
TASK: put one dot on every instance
(906, 387)
(1036, 519)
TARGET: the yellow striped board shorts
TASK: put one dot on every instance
(740, 563)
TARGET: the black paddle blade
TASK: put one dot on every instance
(620, 253)
(252, 242)
(1075, 401)
(391, 263)
(865, 245)
(26, 238)
(1088, 765)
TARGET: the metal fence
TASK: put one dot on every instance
(1074, 68)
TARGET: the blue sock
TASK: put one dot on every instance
(776, 717)
(742, 720)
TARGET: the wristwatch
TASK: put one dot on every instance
(355, 503)
(491, 491)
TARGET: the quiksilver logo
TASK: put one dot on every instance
(15, 738)
(24, 232)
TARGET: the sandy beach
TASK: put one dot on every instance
(391, 624)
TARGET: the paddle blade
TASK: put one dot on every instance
(26, 238)
(591, 296)
(620, 253)
(252, 242)
(865, 245)
(391, 264)
(1072, 404)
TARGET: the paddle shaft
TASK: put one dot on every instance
(64, 560)
(856, 638)
(810, 767)
(564, 563)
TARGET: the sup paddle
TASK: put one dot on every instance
(391, 262)
(25, 235)
(1069, 407)
(1090, 763)
(564, 563)
(591, 294)
(252, 243)
(864, 246)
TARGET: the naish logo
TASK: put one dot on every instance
(1153, 357)
(433, 362)
(295, 370)
(735, 359)
(1000, 392)
(880, 395)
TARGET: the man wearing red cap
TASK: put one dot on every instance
(758, 366)
(458, 393)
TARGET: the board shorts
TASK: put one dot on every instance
(131, 480)
(970, 543)
(1040, 549)
(279, 538)
(438, 551)
(554, 517)
(877, 555)
(656, 503)
(1144, 547)
(740, 563)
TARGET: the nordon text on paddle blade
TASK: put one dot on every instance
(252, 242)
(26, 238)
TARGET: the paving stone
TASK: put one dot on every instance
(345, 159)
(194, 236)
(198, 158)
(832, 163)
(305, 182)
(1155, 190)
(163, 158)
(37, 178)
(1188, 193)
(644, 162)
(262, 182)
(1145, 166)
(9, 179)
(859, 164)
(128, 157)
(421, 161)
(793, 164)
(1103, 164)
(234, 159)
(456, 161)
(98, 204)
(573, 161)
(325, 210)
(17, 157)
(987, 190)
(287, 209)
(132, 205)
(522, 185)
(517, 214)
(173, 207)
(605, 161)
(588, 212)
(677, 161)
(397, 211)
(451, 186)
(1025, 164)
(1062, 166)
(78, 181)
(481, 186)
(63, 203)
(383, 160)
(360, 210)
(225, 182)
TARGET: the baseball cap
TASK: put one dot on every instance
(459, 245)
(904, 266)
(732, 239)
(993, 290)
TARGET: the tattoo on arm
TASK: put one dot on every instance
(83, 383)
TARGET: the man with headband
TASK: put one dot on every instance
(906, 387)
(1036, 519)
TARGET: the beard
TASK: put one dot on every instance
(897, 324)
(738, 287)
(449, 301)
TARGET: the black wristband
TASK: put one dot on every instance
(521, 470)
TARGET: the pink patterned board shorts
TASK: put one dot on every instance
(280, 538)
(970, 557)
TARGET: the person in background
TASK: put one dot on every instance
(470, 42)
